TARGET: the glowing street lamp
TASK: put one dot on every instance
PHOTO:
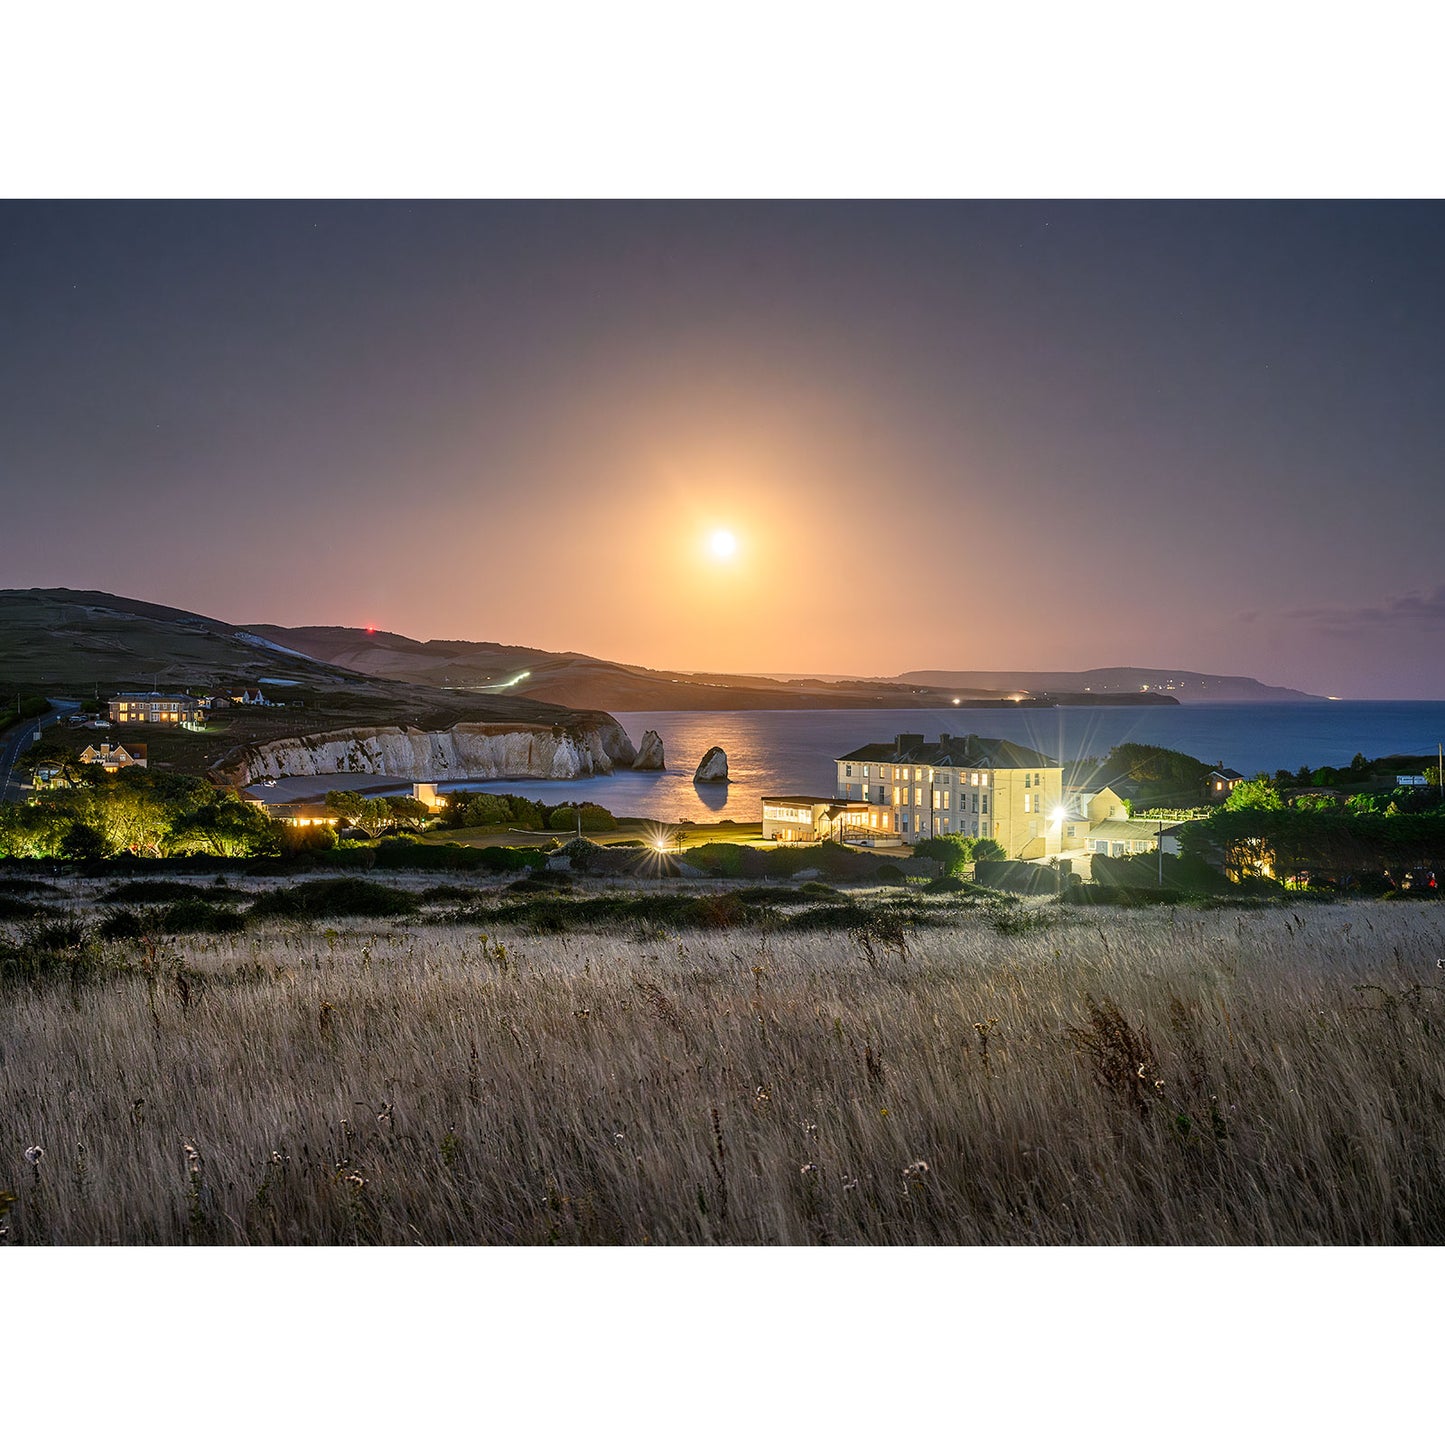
(1058, 816)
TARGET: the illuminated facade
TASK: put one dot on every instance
(969, 786)
(806, 819)
(115, 756)
(165, 709)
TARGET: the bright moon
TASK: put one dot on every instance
(722, 545)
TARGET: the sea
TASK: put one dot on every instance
(792, 751)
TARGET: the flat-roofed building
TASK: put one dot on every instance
(802, 818)
(299, 815)
(970, 786)
(165, 709)
(1119, 837)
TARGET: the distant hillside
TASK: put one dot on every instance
(1111, 682)
(67, 643)
(84, 645)
(576, 680)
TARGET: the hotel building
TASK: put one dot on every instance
(973, 786)
(165, 709)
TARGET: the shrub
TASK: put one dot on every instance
(166, 890)
(595, 819)
(189, 915)
(814, 889)
(581, 852)
(18, 908)
(399, 853)
(945, 885)
(335, 898)
(197, 915)
(540, 883)
(57, 950)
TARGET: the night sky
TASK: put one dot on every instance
(1202, 436)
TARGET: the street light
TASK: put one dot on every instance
(1058, 816)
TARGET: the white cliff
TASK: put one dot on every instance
(468, 750)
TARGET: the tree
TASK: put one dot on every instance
(1164, 777)
(84, 843)
(409, 812)
(347, 805)
(952, 850)
(374, 817)
(1254, 794)
(228, 828)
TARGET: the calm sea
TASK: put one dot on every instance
(793, 751)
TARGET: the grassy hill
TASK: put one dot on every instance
(85, 645)
(577, 680)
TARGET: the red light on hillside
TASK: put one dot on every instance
(371, 629)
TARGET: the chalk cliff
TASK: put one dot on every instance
(468, 750)
(650, 754)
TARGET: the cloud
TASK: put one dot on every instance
(1413, 610)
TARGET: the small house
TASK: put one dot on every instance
(1220, 782)
(115, 756)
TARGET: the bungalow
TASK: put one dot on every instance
(299, 815)
(1220, 782)
(802, 818)
(1117, 837)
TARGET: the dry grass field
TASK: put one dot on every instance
(1025, 1076)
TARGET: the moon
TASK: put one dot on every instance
(722, 545)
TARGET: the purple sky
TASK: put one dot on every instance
(1202, 436)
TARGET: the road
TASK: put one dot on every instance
(15, 780)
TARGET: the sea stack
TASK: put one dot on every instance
(649, 754)
(713, 768)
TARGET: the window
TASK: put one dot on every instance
(865, 770)
(848, 770)
(918, 797)
(985, 802)
(1027, 807)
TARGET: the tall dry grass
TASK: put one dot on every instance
(1114, 1077)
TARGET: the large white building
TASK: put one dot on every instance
(970, 786)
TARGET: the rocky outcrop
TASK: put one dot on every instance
(713, 768)
(468, 750)
(649, 754)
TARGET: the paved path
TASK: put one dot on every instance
(15, 779)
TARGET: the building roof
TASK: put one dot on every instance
(951, 752)
(1228, 774)
(154, 697)
(137, 751)
(807, 800)
(283, 811)
(1122, 830)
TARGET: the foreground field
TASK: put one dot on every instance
(1085, 1076)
